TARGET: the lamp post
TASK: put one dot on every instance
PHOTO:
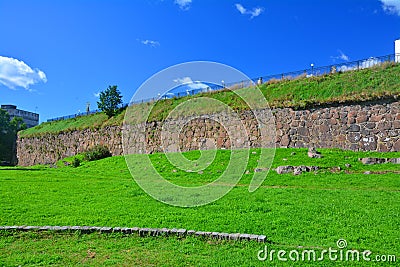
(312, 69)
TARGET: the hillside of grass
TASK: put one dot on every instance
(93, 121)
(376, 83)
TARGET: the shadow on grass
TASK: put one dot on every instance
(18, 169)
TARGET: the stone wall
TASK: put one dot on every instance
(361, 127)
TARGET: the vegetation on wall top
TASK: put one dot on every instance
(378, 82)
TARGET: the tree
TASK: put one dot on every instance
(110, 99)
(4, 121)
(8, 136)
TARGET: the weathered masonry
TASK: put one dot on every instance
(359, 127)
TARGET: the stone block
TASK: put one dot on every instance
(191, 232)
(86, 229)
(154, 232)
(126, 230)
(244, 237)
(181, 232)
(64, 228)
(117, 230)
(215, 235)
(199, 233)
(164, 231)
(144, 231)
(31, 228)
(224, 236)
(106, 230)
(262, 238)
(354, 128)
(370, 125)
(135, 230)
(44, 228)
(254, 237)
(234, 236)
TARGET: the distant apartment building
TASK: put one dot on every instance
(31, 119)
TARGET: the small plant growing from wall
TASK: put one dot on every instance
(96, 152)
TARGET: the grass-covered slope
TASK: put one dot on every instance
(312, 210)
(353, 86)
(92, 121)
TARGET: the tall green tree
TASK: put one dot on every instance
(110, 99)
(8, 136)
(4, 121)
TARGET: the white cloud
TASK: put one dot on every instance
(183, 80)
(391, 6)
(341, 56)
(183, 4)
(150, 43)
(15, 73)
(368, 63)
(241, 9)
(190, 83)
(255, 12)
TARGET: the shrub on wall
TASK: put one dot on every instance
(97, 152)
(76, 162)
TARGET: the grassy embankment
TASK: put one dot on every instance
(353, 86)
(310, 211)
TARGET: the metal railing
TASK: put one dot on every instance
(306, 73)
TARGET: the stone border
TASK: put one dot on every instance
(143, 232)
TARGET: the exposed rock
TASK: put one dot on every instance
(297, 171)
(313, 153)
(371, 161)
(260, 169)
(394, 160)
(284, 169)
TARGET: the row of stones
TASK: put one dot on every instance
(141, 232)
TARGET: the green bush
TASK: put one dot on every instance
(76, 162)
(97, 152)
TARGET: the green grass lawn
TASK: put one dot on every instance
(312, 210)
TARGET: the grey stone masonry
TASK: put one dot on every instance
(143, 232)
(359, 127)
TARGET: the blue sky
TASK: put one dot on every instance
(55, 56)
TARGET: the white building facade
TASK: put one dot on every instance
(31, 119)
